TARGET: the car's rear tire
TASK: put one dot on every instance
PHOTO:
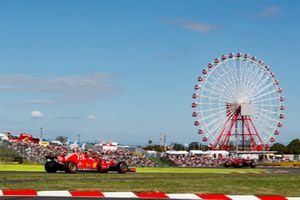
(51, 167)
(122, 167)
(253, 164)
(227, 164)
(71, 167)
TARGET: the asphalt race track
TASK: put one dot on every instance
(66, 198)
(272, 169)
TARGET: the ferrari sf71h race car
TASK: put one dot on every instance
(84, 162)
(240, 162)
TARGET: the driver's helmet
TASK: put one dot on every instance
(91, 152)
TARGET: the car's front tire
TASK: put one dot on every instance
(122, 167)
(71, 167)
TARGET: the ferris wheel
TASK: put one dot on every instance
(238, 104)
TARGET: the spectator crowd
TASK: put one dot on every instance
(36, 153)
(196, 160)
(132, 158)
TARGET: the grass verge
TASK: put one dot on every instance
(22, 167)
(196, 170)
(253, 184)
(283, 164)
(40, 168)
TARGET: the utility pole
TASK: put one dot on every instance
(41, 136)
(161, 139)
(78, 138)
(165, 142)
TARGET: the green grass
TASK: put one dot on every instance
(8, 155)
(21, 167)
(253, 184)
(284, 164)
(169, 180)
(40, 168)
(196, 170)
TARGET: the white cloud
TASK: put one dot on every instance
(91, 117)
(38, 101)
(269, 11)
(35, 114)
(192, 25)
(75, 117)
(67, 117)
(68, 89)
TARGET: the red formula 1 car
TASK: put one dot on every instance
(240, 162)
(84, 162)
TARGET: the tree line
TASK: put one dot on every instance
(292, 148)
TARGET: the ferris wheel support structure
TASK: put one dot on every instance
(248, 129)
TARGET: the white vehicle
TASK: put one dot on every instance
(3, 136)
(55, 143)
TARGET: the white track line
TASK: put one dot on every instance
(60, 193)
(183, 196)
(120, 194)
(243, 197)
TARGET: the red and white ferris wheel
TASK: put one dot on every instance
(238, 104)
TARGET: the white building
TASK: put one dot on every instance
(111, 146)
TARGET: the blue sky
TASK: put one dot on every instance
(125, 70)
